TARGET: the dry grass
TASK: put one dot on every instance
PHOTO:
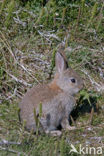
(26, 59)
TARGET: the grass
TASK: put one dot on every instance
(29, 38)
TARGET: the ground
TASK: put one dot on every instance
(29, 38)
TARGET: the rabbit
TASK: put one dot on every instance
(57, 98)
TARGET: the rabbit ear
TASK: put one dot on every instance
(61, 63)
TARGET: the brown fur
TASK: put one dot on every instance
(56, 98)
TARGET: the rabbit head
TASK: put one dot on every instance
(65, 77)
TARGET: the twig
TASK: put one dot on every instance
(99, 87)
(40, 60)
(18, 21)
(17, 80)
(47, 34)
(91, 116)
(12, 95)
(4, 41)
(101, 73)
(5, 142)
(25, 69)
(78, 18)
(73, 121)
(12, 151)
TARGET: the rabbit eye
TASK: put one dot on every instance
(73, 80)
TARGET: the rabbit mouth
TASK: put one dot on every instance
(75, 91)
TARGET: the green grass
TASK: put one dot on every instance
(27, 49)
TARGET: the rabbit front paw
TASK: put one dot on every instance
(70, 127)
(54, 133)
(66, 126)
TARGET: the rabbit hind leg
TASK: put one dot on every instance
(50, 129)
(65, 125)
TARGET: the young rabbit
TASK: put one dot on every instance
(57, 99)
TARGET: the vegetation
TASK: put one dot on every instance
(30, 34)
